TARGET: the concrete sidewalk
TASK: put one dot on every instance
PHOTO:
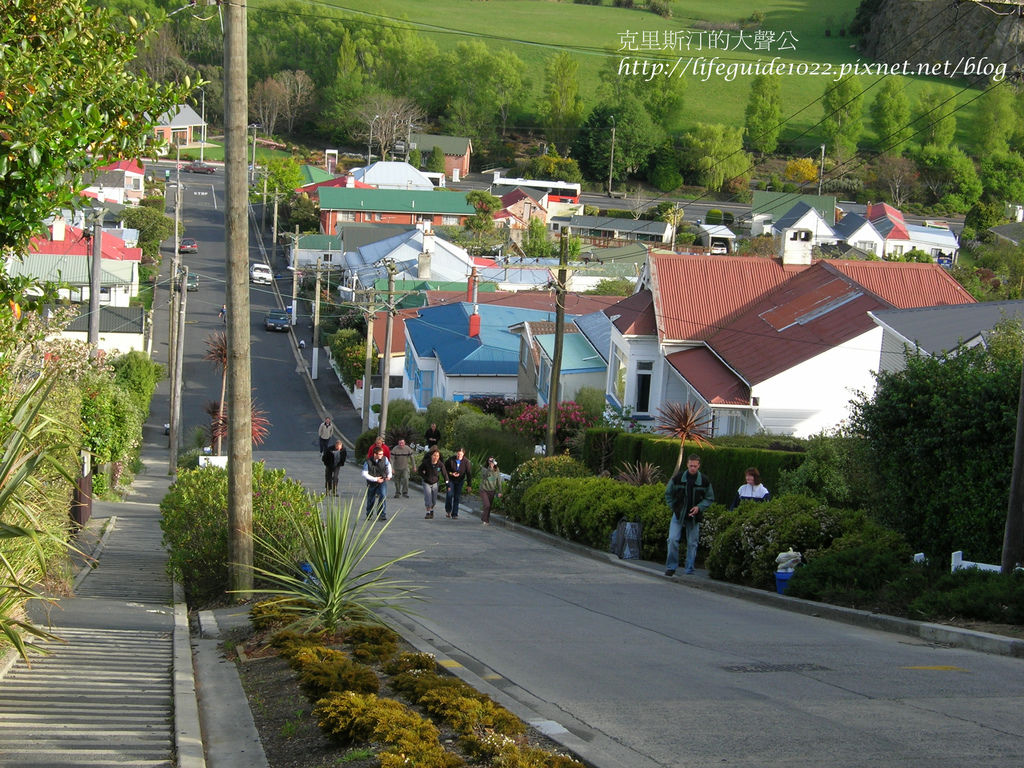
(118, 688)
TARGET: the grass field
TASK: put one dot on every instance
(536, 30)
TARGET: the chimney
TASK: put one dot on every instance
(423, 261)
(58, 229)
(474, 319)
(428, 239)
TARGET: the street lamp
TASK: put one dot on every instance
(821, 168)
(252, 166)
(202, 115)
(369, 144)
(611, 158)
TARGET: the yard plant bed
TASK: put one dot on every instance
(291, 684)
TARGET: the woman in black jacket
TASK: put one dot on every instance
(431, 469)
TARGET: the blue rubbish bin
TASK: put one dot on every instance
(782, 581)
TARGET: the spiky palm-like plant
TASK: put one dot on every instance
(24, 451)
(640, 473)
(337, 584)
(219, 422)
(685, 423)
(217, 353)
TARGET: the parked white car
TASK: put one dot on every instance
(261, 274)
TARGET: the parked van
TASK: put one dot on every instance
(261, 273)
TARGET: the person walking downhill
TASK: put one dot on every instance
(401, 462)
(490, 487)
(431, 469)
(334, 459)
(688, 494)
(459, 478)
(376, 473)
(432, 436)
(325, 433)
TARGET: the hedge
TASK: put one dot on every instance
(724, 465)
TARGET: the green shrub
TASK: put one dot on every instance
(508, 448)
(531, 472)
(598, 448)
(195, 524)
(319, 676)
(400, 411)
(592, 401)
(743, 543)
(136, 373)
(371, 642)
(363, 443)
(442, 412)
(973, 594)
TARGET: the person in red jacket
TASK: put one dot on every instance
(379, 443)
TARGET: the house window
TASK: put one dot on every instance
(544, 379)
(643, 386)
(524, 354)
(450, 221)
(868, 246)
(327, 257)
(619, 366)
(346, 215)
(897, 250)
(423, 387)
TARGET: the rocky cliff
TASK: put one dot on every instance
(937, 31)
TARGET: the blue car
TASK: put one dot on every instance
(277, 320)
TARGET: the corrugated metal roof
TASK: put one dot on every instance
(941, 329)
(450, 145)
(112, 320)
(634, 315)
(812, 313)
(695, 295)
(72, 269)
(394, 201)
(710, 377)
(386, 174)
(578, 356)
(904, 285)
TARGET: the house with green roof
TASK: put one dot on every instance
(457, 151)
(341, 205)
(72, 272)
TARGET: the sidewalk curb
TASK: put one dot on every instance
(188, 736)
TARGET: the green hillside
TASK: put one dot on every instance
(536, 30)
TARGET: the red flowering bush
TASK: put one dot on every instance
(531, 421)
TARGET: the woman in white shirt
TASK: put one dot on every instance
(752, 490)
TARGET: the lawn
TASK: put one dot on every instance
(535, 30)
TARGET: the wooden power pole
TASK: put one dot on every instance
(385, 366)
(556, 356)
(368, 364)
(236, 234)
(316, 323)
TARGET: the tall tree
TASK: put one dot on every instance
(843, 103)
(561, 105)
(1002, 177)
(935, 117)
(996, 122)
(950, 177)
(636, 138)
(298, 91)
(714, 154)
(662, 99)
(68, 96)
(266, 100)
(763, 122)
(389, 119)
(482, 222)
(890, 115)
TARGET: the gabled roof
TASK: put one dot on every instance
(319, 242)
(1013, 232)
(811, 313)
(314, 174)
(450, 145)
(578, 356)
(634, 315)
(597, 327)
(392, 175)
(694, 295)
(941, 329)
(846, 227)
(883, 211)
(448, 261)
(394, 201)
(180, 116)
(799, 211)
(775, 204)
(902, 284)
(517, 194)
(715, 382)
(131, 166)
(76, 241)
(73, 269)
(888, 221)
(612, 223)
(112, 320)
(442, 332)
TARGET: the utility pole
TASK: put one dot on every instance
(263, 208)
(556, 357)
(368, 364)
(95, 281)
(821, 168)
(296, 276)
(273, 246)
(316, 323)
(236, 234)
(385, 367)
(175, 308)
(611, 159)
(178, 369)
(1013, 536)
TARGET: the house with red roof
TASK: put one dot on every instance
(765, 344)
(898, 237)
(122, 182)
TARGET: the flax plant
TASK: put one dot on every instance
(685, 423)
(338, 585)
(25, 451)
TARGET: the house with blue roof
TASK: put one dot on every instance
(456, 351)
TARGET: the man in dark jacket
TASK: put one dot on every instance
(688, 494)
(376, 473)
(459, 476)
(334, 459)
